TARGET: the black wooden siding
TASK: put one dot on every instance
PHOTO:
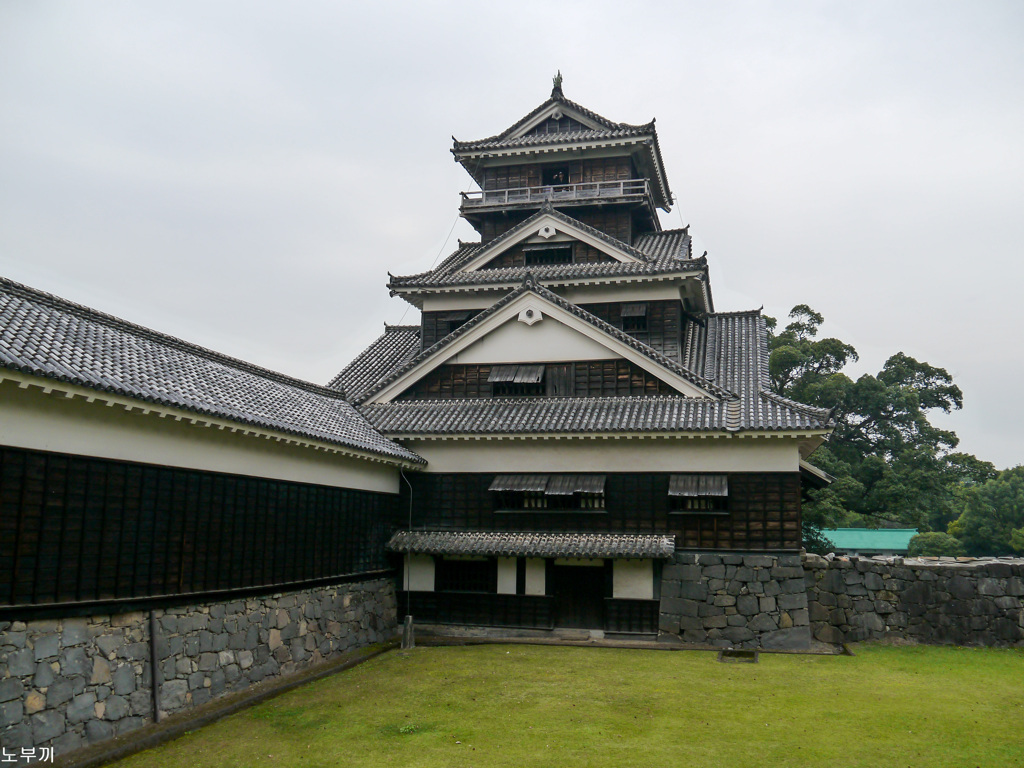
(589, 378)
(582, 253)
(619, 221)
(77, 529)
(664, 324)
(763, 510)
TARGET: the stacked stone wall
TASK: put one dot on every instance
(76, 681)
(735, 600)
(921, 600)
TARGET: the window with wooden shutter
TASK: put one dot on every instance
(699, 494)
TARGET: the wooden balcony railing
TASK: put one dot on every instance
(591, 190)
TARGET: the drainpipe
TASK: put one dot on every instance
(154, 668)
(408, 640)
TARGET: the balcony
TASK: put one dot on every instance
(588, 192)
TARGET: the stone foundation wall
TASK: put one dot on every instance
(928, 601)
(71, 682)
(736, 600)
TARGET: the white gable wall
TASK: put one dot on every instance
(553, 316)
(544, 341)
(580, 294)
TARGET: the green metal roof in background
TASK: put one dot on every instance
(870, 539)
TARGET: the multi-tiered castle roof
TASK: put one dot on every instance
(575, 313)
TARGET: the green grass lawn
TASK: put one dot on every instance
(521, 705)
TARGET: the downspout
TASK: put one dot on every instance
(154, 669)
(407, 633)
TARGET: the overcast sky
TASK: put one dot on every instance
(244, 174)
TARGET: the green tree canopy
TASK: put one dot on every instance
(992, 521)
(935, 544)
(890, 462)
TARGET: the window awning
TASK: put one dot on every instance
(634, 310)
(698, 485)
(502, 373)
(813, 477)
(519, 483)
(552, 485)
(515, 544)
(529, 374)
(567, 485)
(547, 246)
(457, 317)
(517, 374)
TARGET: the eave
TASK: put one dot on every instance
(72, 391)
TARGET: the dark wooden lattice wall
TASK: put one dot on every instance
(593, 378)
(76, 529)
(664, 324)
(763, 510)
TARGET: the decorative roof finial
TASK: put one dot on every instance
(557, 81)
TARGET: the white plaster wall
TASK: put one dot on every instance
(419, 573)
(713, 454)
(506, 575)
(29, 418)
(589, 294)
(633, 579)
(535, 576)
(545, 341)
(582, 294)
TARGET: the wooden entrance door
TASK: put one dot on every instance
(579, 596)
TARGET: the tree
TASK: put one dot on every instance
(935, 544)
(890, 462)
(992, 521)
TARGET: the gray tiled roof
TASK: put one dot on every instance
(398, 344)
(47, 336)
(732, 351)
(515, 544)
(556, 98)
(566, 137)
(601, 325)
(658, 253)
(661, 414)
(667, 244)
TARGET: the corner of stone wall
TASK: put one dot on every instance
(736, 600)
(76, 681)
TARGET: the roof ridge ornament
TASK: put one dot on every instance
(556, 90)
(529, 281)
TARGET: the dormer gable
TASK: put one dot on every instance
(534, 322)
(550, 231)
(557, 115)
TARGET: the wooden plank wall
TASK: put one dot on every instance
(580, 172)
(590, 378)
(582, 254)
(76, 529)
(664, 324)
(763, 510)
(435, 326)
(564, 124)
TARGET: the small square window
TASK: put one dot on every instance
(634, 317)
